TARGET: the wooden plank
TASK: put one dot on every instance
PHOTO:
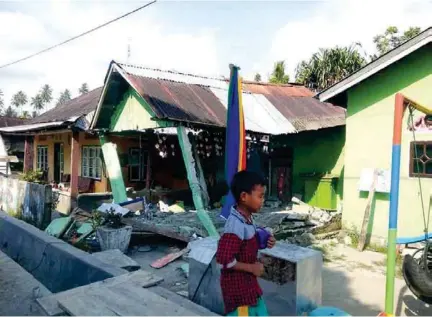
(168, 258)
(140, 277)
(194, 184)
(363, 233)
(82, 305)
(150, 227)
(74, 161)
(155, 304)
(181, 301)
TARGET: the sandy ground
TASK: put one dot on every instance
(18, 290)
(353, 281)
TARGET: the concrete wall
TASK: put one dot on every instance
(55, 263)
(320, 151)
(29, 201)
(369, 133)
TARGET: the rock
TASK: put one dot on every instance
(183, 293)
(326, 217)
(297, 216)
(305, 239)
(189, 231)
(348, 240)
(317, 214)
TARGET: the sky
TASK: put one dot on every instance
(200, 37)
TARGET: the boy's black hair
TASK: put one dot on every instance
(245, 181)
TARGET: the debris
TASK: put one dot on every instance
(168, 259)
(348, 240)
(176, 208)
(185, 268)
(144, 248)
(183, 293)
(59, 226)
(117, 258)
(163, 207)
(106, 207)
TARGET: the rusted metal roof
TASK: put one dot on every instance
(10, 122)
(299, 107)
(269, 109)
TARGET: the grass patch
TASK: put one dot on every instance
(398, 269)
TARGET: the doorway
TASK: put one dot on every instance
(280, 168)
(58, 162)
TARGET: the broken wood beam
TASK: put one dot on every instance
(366, 216)
(147, 227)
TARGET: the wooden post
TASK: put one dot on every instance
(75, 158)
(201, 179)
(363, 233)
(148, 171)
(28, 154)
(194, 184)
(114, 171)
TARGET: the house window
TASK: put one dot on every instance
(91, 165)
(137, 165)
(42, 158)
(421, 159)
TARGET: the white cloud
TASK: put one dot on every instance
(342, 23)
(87, 59)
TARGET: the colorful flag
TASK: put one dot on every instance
(235, 144)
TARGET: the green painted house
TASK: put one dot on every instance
(369, 97)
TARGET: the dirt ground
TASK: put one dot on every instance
(353, 281)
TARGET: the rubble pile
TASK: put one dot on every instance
(297, 227)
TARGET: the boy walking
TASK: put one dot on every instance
(238, 249)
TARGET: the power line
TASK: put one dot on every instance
(78, 36)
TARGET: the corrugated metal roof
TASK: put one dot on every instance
(73, 109)
(31, 127)
(10, 122)
(269, 109)
(300, 108)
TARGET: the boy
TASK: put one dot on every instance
(238, 249)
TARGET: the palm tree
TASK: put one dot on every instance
(257, 77)
(328, 66)
(37, 102)
(65, 96)
(278, 76)
(83, 89)
(46, 94)
(19, 99)
(25, 115)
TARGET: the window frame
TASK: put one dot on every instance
(85, 168)
(412, 158)
(38, 157)
(142, 165)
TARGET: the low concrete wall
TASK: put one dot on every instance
(29, 201)
(56, 264)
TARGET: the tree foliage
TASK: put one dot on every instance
(37, 102)
(83, 89)
(278, 75)
(10, 112)
(65, 96)
(1, 99)
(46, 94)
(257, 77)
(328, 66)
(19, 99)
(393, 38)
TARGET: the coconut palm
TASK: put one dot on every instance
(278, 75)
(19, 99)
(37, 102)
(65, 96)
(328, 66)
(46, 94)
(1, 99)
(10, 112)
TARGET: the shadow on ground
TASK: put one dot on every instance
(409, 305)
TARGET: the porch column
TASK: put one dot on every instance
(194, 183)
(115, 175)
(75, 156)
(28, 154)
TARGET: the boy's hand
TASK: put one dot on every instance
(271, 242)
(257, 269)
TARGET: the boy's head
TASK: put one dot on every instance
(248, 189)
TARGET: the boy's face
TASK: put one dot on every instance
(255, 200)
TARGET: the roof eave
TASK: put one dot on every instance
(377, 65)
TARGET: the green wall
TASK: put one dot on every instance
(369, 143)
(320, 151)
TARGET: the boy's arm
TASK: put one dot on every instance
(226, 254)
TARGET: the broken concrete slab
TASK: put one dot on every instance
(117, 258)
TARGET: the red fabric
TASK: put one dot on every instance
(238, 288)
